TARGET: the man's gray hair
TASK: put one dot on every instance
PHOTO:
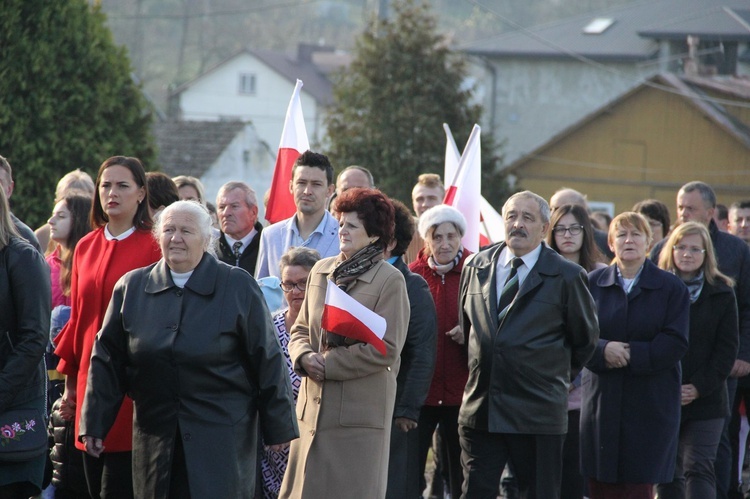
(705, 190)
(202, 220)
(543, 205)
(250, 197)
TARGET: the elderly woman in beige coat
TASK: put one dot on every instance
(346, 400)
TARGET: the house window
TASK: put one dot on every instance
(598, 26)
(247, 83)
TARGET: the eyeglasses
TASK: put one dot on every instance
(574, 229)
(288, 287)
(681, 248)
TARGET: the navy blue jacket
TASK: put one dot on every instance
(630, 417)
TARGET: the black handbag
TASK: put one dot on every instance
(23, 435)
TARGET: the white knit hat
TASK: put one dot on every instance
(440, 214)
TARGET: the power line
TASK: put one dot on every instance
(586, 60)
(619, 168)
(180, 17)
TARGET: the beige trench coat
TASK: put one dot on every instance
(345, 421)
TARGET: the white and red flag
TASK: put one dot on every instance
(464, 179)
(293, 143)
(347, 317)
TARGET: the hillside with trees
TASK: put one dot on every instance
(173, 41)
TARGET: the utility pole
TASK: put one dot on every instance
(383, 10)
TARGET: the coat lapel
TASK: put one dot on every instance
(159, 279)
(486, 272)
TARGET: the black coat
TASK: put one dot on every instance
(519, 376)
(26, 233)
(418, 354)
(733, 257)
(67, 461)
(249, 256)
(25, 301)
(412, 384)
(201, 363)
(713, 348)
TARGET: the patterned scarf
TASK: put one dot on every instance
(695, 286)
(346, 271)
(363, 260)
(444, 269)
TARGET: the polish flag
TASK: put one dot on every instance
(293, 143)
(465, 187)
(347, 317)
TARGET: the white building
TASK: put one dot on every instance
(226, 123)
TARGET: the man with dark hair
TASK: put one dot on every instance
(7, 184)
(162, 191)
(237, 210)
(696, 202)
(721, 217)
(739, 220)
(417, 364)
(311, 226)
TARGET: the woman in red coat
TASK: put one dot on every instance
(440, 263)
(121, 241)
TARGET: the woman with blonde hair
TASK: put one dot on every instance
(190, 189)
(713, 343)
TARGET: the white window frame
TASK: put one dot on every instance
(245, 88)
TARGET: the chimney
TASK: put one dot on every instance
(691, 65)
(305, 51)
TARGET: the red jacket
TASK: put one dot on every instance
(451, 364)
(97, 265)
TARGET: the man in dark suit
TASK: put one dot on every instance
(417, 364)
(531, 325)
(237, 209)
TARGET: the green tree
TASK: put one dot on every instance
(67, 99)
(389, 106)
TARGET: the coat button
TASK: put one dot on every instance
(174, 328)
(187, 436)
(317, 400)
(388, 368)
(440, 402)
(179, 292)
(312, 432)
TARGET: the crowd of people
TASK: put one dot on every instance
(169, 349)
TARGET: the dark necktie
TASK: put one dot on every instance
(236, 247)
(509, 290)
